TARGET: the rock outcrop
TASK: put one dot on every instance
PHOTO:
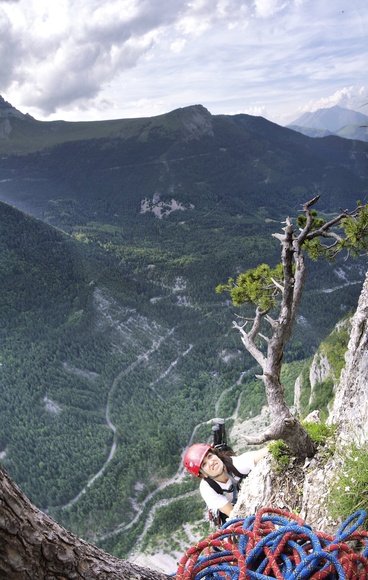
(7, 115)
(350, 409)
(197, 122)
(8, 111)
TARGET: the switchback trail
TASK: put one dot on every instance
(141, 358)
(177, 478)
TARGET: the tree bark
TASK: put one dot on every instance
(35, 547)
(284, 425)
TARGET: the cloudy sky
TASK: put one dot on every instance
(105, 59)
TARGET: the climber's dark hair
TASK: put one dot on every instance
(225, 456)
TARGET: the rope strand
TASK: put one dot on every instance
(276, 544)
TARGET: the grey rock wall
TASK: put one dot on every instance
(350, 409)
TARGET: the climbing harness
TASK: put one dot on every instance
(277, 544)
(217, 518)
(235, 483)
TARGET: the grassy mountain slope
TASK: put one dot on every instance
(22, 134)
(197, 158)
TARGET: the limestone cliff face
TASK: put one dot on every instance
(304, 488)
(197, 122)
(350, 409)
(320, 370)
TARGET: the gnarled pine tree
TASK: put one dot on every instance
(280, 290)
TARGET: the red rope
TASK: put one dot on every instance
(276, 544)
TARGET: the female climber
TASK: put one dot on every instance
(221, 473)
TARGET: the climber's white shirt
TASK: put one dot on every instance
(244, 464)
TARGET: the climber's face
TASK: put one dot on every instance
(212, 465)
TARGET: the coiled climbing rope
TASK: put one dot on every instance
(277, 544)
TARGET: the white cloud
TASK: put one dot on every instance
(348, 97)
(178, 45)
(108, 58)
(256, 111)
(267, 8)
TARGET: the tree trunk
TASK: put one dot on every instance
(293, 245)
(283, 425)
(33, 546)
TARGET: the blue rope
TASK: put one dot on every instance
(311, 564)
(344, 531)
(256, 549)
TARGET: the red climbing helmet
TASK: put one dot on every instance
(194, 456)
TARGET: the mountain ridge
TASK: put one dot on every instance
(183, 152)
(330, 118)
(21, 134)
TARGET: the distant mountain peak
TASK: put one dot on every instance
(196, 120)
(7, 110)
(331, 119)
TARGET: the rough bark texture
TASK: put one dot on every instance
(33, 546)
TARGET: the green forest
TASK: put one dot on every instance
(115, 349)
(80, 338)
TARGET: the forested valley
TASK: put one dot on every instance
(115, 349)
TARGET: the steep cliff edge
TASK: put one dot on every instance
(350, 409)
(305, 488)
